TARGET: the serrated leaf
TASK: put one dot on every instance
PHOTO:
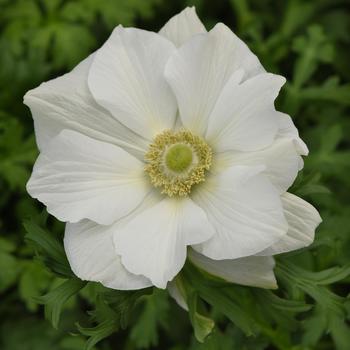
(296, 277)
(50, 249)
(99, 332)
(55, 299)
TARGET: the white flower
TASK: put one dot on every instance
(162, 141)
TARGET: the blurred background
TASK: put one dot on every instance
(306, 41)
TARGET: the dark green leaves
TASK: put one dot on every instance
(100, 332)
(55, 299)
(9, 268)
(49, 248)
(154, 314)
(113, 312)
(63, 30)
(313, 48)
(220, 297)
(313, 284)
(15, 164)
(202, 325)
(50, 251)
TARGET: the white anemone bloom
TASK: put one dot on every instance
(163, 146)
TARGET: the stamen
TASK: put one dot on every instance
(176, 161)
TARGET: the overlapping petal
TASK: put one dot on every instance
(182, 26)
(244, 117)
(90, 251)
(287, 129)
(255, 271)
(199, 70)
(302, 219)
(78, 177)
(126, 77)
(281, 161)
(153, 243)
(245, 210)
(66, 103)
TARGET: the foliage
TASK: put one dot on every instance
(306, 41)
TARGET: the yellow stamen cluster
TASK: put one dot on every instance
(176, 161)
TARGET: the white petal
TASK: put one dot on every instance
(255, 271)
(244, 117)
(287, 129)
(302, 220)
(281, 161)
(199, 70)
(92, 257)
(126, 78)
(77, 177)
(182, 26)
(66, 103)
(154, 242)
(245, 210)
(176, 293)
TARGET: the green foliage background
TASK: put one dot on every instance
(306, 41)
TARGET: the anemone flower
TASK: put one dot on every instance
(165, 146)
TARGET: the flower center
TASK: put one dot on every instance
(178, 157)
(176, 161)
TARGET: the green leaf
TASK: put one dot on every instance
(216, 341)
(9, 270)
(332, 275)
(202, 325)
(125, 13)
(221, 296)
(124, 302)
(50, 250)
(34, 279)
(55, 299)
(15, 164)
(272, 300)
(154, 314)
(113, 311)
(315, 326)
(7, 246)
(309, 184)
(311, 283)
(313, 49)
(28, 333)
(331, 91)
(100, 332)
(340, 332)
(73, 343)
(324, 277)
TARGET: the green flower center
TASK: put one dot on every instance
(178, 157)
(176, 161)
